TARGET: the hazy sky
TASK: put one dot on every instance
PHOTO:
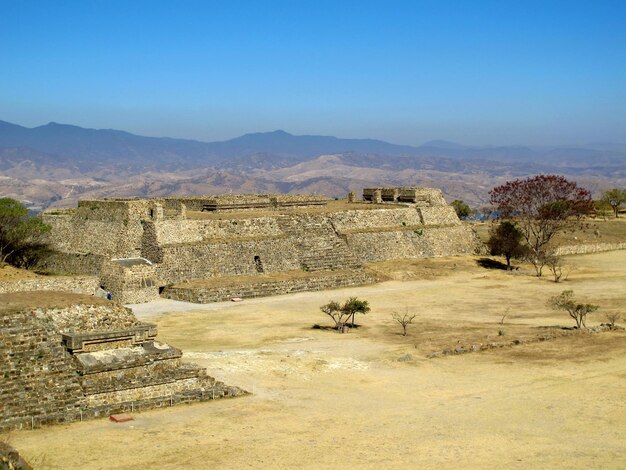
(476, 72)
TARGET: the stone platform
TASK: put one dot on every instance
(249, 235)
(216, 290)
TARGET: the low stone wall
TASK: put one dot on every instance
(589, 248)
(547, 336)
(75, 284)
(322, 281)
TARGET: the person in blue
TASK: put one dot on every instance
(109, 296)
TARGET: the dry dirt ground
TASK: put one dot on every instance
(321, 399)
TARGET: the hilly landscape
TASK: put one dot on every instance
(54, 165)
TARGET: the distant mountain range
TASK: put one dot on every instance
(109, 146)
(57, 163)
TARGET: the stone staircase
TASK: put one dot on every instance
(127, 369)
(320, 246)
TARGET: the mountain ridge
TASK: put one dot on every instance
(56, 164)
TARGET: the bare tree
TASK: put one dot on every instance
(578, 311)
(403, 320)
(612, 318)
(555, 265)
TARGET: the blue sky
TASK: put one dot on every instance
(475, 72)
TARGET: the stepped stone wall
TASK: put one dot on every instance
(249, 243)
(70, 357)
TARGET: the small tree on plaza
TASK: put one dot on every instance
(353, 305)
(341, 313)
(578, 311)
(505, 240)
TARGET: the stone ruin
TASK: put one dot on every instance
(254, 245)
(67, 357)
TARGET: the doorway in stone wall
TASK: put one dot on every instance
(258, 264)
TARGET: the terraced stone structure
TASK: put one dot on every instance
(210, 248)
(67, 357)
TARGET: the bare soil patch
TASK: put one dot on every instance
(9, 273)
(47, 299)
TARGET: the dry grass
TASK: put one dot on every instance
(9, 273)
(47, 299)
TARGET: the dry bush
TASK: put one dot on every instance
(403, 320)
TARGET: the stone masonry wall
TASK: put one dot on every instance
(131, 285)
(355, 220)
(236, 258)
(441, 215)
(74, 263)
(192, 231)
(88, 318)
(409, 244)
(37, 377)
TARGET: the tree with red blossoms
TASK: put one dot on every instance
(541, 206)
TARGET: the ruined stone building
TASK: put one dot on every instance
(255, 244)
(68, 357)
